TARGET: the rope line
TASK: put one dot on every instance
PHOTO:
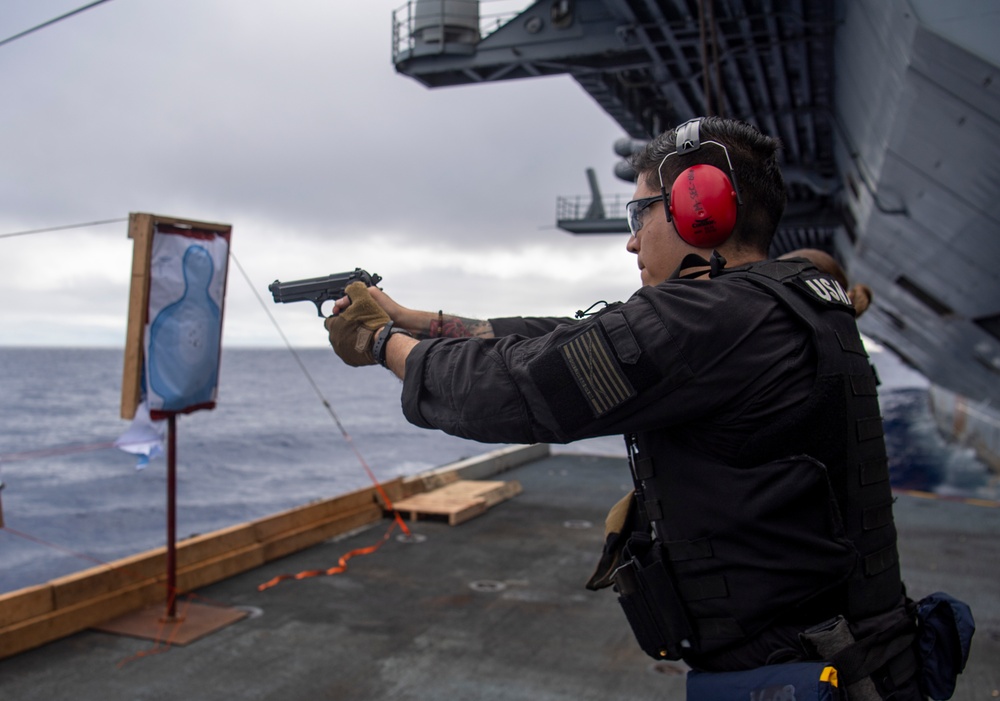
(52, 21)
(56, 450)
(41, 541)
(63, 228)
(319, 393)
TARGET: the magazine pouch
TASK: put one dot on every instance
(798, 681)
(945, 628)
(650, 601)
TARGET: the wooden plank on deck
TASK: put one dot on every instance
(458, 501)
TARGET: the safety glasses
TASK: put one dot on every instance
(634, 211)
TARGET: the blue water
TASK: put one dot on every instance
(269, 445)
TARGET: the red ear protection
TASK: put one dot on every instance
(703, 200)
(703, 206)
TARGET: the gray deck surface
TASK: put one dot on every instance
(492, 609)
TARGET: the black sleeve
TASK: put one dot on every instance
(583, 379)
(529, 327)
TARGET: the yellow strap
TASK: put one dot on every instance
(829, 675)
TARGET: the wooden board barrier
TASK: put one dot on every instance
(36, 615)
(20, 605)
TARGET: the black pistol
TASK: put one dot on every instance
(320, 289)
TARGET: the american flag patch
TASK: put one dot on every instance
(596, 372)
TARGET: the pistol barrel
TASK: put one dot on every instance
(319, 289)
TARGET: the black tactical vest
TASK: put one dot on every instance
(800, 526)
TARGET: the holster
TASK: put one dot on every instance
(650, 601)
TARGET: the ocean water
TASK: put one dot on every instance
(70, 501)
(269, 445)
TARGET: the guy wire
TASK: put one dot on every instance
(322, 398)
(50, 22)
(63, 228)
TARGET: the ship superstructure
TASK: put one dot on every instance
(888, 110)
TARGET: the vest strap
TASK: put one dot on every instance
(852, 343)
(864, 386)
(869, 429)
(873, 471)
(880, 561)
(644, 468)
(877, 517)
(653, 509)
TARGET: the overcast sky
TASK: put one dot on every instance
(287, 120)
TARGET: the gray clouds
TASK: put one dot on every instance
(288, 121)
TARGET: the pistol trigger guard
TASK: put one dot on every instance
(320, 301)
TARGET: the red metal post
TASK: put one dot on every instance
(171, 516)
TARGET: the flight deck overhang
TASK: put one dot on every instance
(888, 112)
(528, 45)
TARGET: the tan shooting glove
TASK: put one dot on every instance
(352, 332)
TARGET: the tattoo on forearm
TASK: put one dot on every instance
(449, 326)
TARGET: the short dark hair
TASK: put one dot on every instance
(755, 162)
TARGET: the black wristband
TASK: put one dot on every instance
(381, 341)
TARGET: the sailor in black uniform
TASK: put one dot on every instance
(760, 530)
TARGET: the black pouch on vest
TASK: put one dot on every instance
(650, 601)
(945, 634)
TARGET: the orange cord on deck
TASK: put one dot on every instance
(341, 563)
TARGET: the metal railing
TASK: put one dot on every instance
(581, 207)
(449, 21)
(578, 214)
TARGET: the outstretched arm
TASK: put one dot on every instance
(425, 324)
(355, 345)
(397, 350)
